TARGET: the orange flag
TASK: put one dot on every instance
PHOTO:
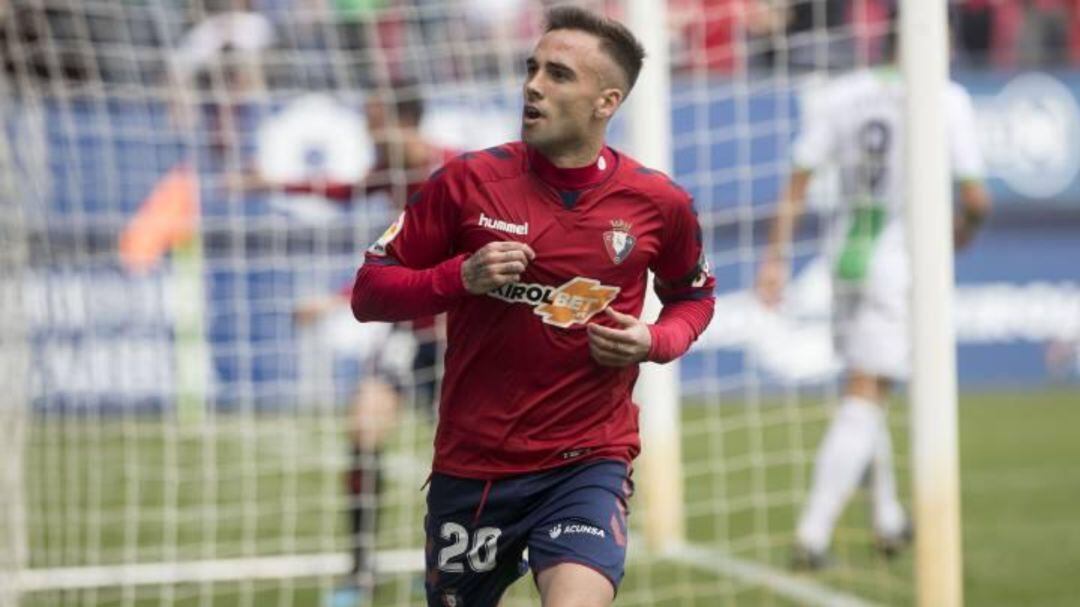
(165, 219)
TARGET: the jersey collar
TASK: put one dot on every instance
(578, 178)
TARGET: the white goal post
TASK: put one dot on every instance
(649, 121)
(934, 434)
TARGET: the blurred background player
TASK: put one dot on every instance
(403, 158)
(858, 128)
(221, 53)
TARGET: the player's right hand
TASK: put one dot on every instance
(494, 265)
(311, 310)
(771, 280)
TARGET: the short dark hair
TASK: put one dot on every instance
(410, 109)
(406, 99)
(615, 39)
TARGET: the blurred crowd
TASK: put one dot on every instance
(305, 44)
(727, 35)
(334, 43)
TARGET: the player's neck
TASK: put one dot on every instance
(411, 153)
(576, 157)
(576, 176)
(419, 153)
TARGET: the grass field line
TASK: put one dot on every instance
(711, 560)
(212, 570)
(799, 589)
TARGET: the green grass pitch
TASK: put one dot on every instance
(265, 485)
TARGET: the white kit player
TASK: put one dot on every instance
(858, 129)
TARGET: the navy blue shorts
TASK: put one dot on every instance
(477, 531)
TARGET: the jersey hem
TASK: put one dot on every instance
(492, 474)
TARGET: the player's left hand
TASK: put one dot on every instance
(620, 347)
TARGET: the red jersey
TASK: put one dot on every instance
(521, 392)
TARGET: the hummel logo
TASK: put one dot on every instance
(520, 229)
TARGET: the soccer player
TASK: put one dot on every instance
(538, 250)
(859, 130)
(403, 159)
(224, 54)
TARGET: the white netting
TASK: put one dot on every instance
(13, 365)
(746, 75)
(185, 438)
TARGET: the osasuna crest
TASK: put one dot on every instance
(618, 242)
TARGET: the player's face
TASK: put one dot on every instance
(568, 92)
(388, 132)
(378, 124)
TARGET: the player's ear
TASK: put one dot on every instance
(609, 100)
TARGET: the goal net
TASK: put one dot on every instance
(181, 368)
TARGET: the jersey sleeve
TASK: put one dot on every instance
(412, 269)
(331, 190)
(683, 284)
(964, 151)
(424, 234)
(681, 269)
(817, 138)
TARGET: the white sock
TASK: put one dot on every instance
(843, 457)
(888, 513)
